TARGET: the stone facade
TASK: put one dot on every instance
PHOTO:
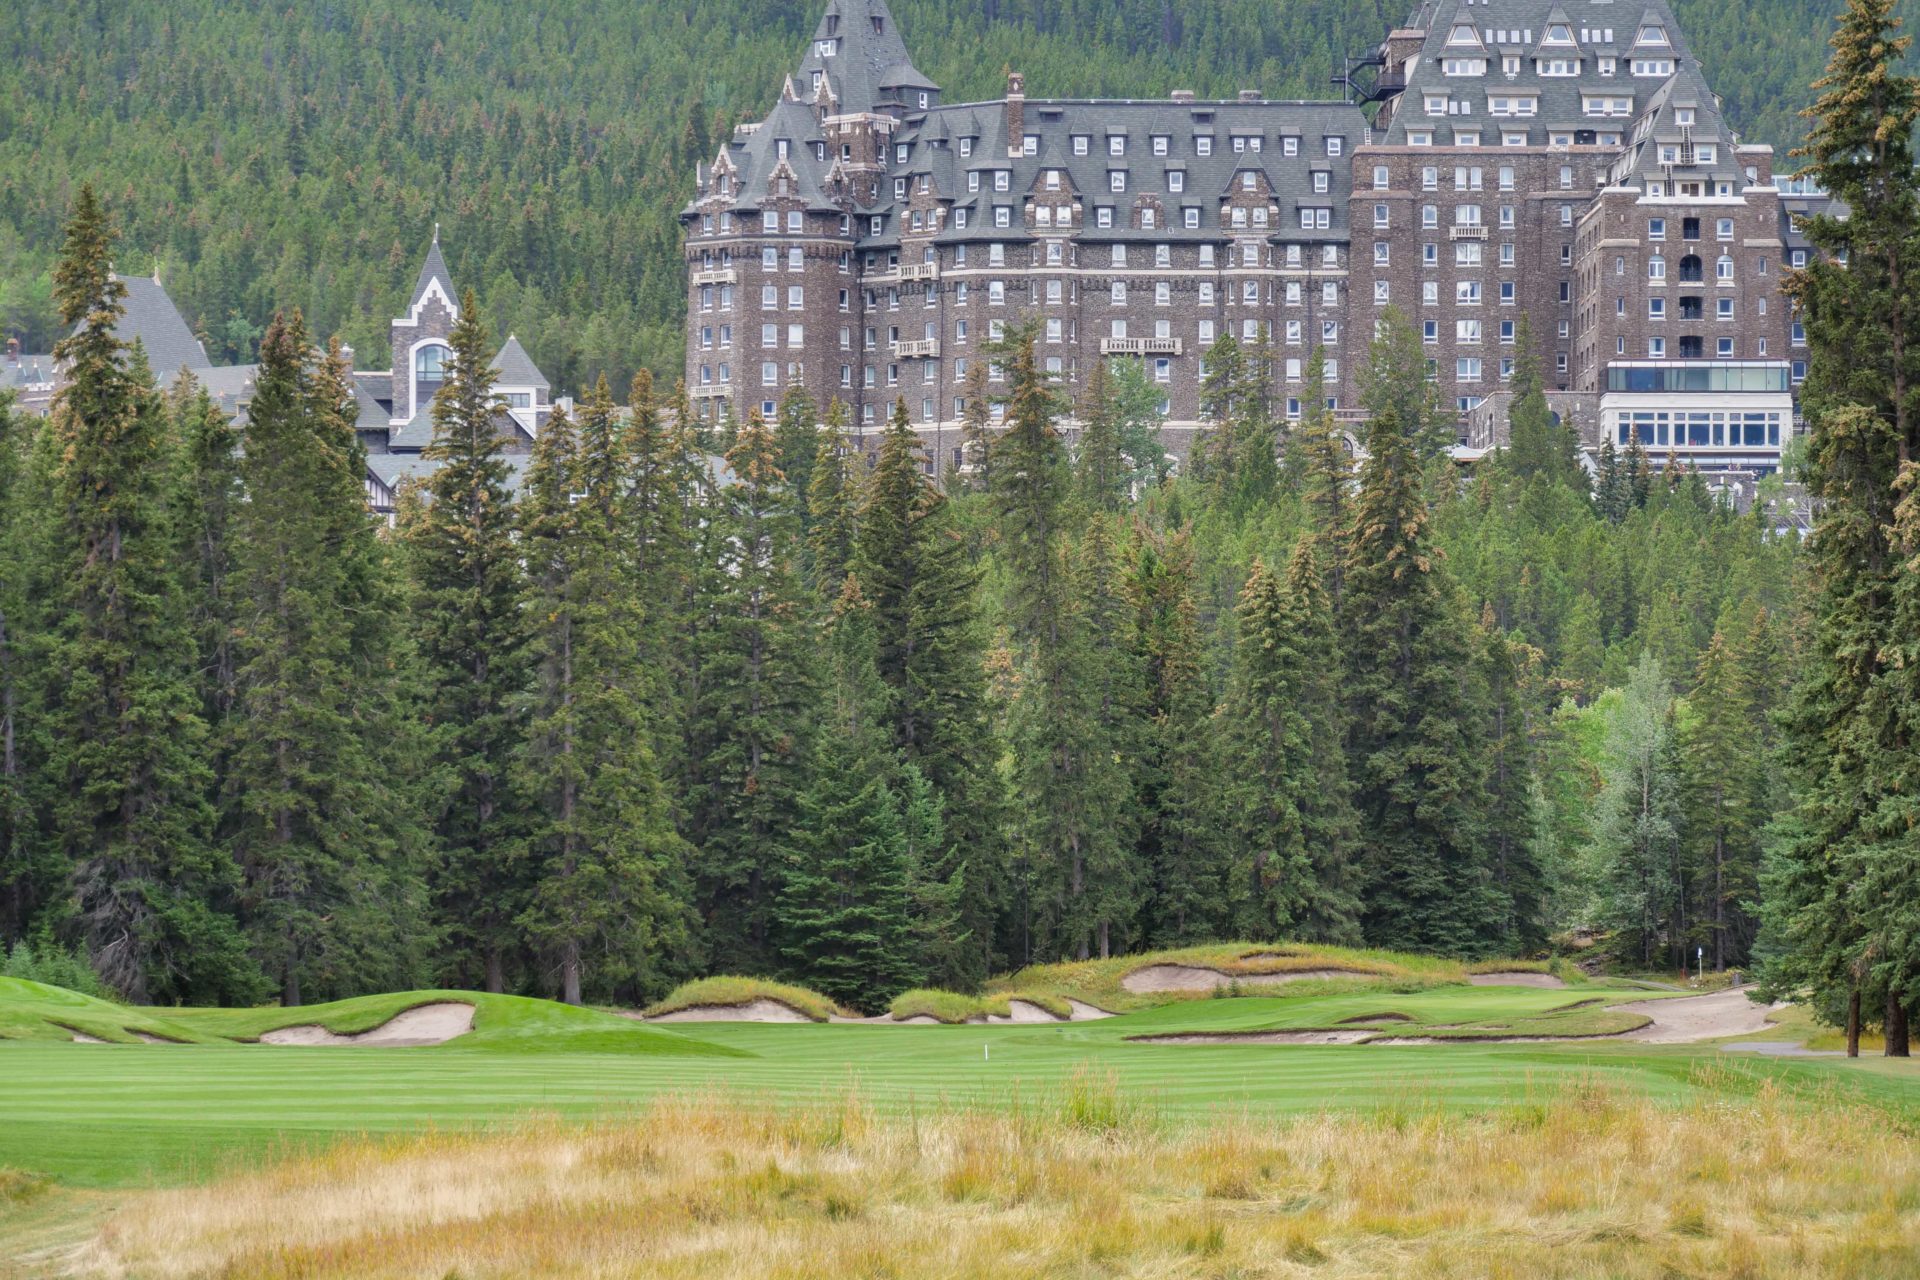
(866, 241)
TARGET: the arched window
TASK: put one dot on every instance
(1723, 268)
(430, 363)
(1656, 268)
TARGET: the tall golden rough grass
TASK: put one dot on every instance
(1585, 1183)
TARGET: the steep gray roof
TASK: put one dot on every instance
(868, 57)
(434, 268)
(28, 370)
(155, 323)
(758, 157)
(1659, 124)
(933, 140)
(1518, 28)
(516, 367)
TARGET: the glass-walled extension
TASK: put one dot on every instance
(1721, 415)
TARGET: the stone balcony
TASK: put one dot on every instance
(917, 349)
(1140, 346)
(718, 275)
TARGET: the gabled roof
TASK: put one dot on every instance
(155, 323)
(433, 269)
(868, 55)
(516, 368)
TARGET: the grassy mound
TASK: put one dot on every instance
(35, 1011)
(1452, 1012)
(512, 1024)
(727, 990)
(1558, 967)
(1101, 982)
(954, 1007)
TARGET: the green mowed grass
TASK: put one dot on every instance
(128, 1115)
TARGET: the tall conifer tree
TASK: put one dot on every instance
(126, 746)
(470, 631)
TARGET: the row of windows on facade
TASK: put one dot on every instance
(1250, 293)
(1474, 66)
(1699, 428)
(1055, 329)
(1523, 106)
(1242, 142)
(1559, 137)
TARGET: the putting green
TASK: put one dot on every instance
(117, 1115)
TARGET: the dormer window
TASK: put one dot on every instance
(1652, 35)
(879, 25)
(1557, 33)
(1464, 34)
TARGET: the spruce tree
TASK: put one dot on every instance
(1635, 849)
(207, 496)
(833, 495)
(1100, 479)
(976, 429)
(22, 857)
(1723, 767)
(756, 705)
(608, 866)
(1327, 485)
(1416, 760)
(119, 717)
(324, 841)
(470, 632)
(847, 891)
(1181, 851)
(920, 588)
(1511, 839)
(1844, 870)
(798, 441)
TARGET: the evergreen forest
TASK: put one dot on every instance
(264, 156)
(769, 700)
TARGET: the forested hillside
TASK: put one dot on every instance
(299, 154)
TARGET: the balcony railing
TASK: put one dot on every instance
(1140, 346)
(717, 275)
(1475, 232)
(917, 349)
(918, 271)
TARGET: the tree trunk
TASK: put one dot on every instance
(290, 987)
(496, 972)
(570, 974)
(1853, 1023)
(1106, 945)
(1896, 1024)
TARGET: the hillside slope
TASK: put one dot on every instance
(300, 154)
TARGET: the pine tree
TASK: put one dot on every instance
(920, 588)
(470, 631)
(1612, 496)
(1724, 800)
(609, 868)
(331, 895)
(207, 495)
(1100, 473)
(798, 441)
(1538, 447)
(1845, 867)
(1511, 839)
(1417, 763)
(1181, 855)
(756, 705)
(1635, 848)
(1328, 483)
(126, 748)
(976, 429)
(23, 875)
(848, 888)
(833, 496)
(1268, 755)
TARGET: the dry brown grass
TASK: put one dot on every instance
(1587, 1184)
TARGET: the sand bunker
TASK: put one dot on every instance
(1686, 1019)
(1257, 1037)
(1023, 1011)
(1515, 978)
(1084, 1012)
(81, 1037)
(147, 1037)
(759, 1009)
(1160, 978)
(422, 1025)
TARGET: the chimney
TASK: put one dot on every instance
(1182, 95)
(1249, 95)
(1016, 112)
(346, 353)
(13, 351)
